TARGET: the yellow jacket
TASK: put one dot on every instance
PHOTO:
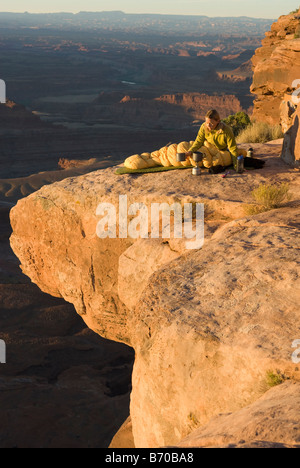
(222, 137)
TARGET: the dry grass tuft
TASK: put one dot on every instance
(268, 197)
(259, 132)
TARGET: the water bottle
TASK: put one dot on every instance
(240, 164)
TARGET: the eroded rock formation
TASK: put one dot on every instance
(276, 81)
(268, 423)
(208, 326)
(276, 66)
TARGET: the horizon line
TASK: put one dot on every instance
(124, 13)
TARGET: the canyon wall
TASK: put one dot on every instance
(198, 104)
(168, 111)
(276, 67)
(276, 82)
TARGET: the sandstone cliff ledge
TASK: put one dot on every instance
(211, 328)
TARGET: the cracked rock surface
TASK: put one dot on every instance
(208, 326)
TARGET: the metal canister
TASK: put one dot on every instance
(196, 171)
(180, 157)
(240, 164)
(197, 157)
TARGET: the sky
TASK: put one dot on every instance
(254, 8)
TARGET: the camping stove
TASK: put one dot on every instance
(197, 158)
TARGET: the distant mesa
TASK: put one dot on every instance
(16, 116)
(173, 110)
(125, 99)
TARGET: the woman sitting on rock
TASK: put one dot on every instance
(215, 141)
(217, 134)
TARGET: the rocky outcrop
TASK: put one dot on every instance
(276, 81)
(212, 328)
(276, 66)
(270, 422)
(204, 343)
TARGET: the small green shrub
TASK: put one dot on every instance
(238, 122)
(273, 379)
(259, 132)
(268, 197)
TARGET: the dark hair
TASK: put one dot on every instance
(213, 114)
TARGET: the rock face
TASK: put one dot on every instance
(274, 417)
(276, 66)
(212, 327)
(276, 81)
(204, 343)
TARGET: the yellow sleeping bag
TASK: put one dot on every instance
(166, 156)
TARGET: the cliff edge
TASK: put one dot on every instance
(212, 328)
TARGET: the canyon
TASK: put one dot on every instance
(86, 83)
(139, 342)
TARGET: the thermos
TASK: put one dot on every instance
(250, 153)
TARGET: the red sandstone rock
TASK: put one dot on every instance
(276, 65)
(207, 326)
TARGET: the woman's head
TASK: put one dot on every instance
(212, 119)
